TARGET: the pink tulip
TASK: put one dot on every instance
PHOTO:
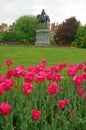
(85, 62)
(79, 66)
(83, 76)
(61, 104)
(57, 77)
(9, 62)
(53, 89)
(57, 68)
(50, 75)
(2, 78)
(8, 84)
(80, 91)
(9, 74)
(1, 88)
(41, 76)
(27, 88)
(62, 65)
(36, 114)
(5, 108)
(85, 96)
(29, 77)
(71, 71)
(78, 80)
(18, 71)
(67, 101)
(44, 61)
(84, 69)
(61, 88)
(72, 112)
(31, 69)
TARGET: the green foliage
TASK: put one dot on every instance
(81, 32)
(83, 44)
(13, 37)
(27, 25)
(52, 40)
(41, 26)
(74, 44)
(1, 36)
(66, 31)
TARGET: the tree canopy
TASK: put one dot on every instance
(27, 25)
(66, 31)
(81, 32)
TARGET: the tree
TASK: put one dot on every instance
(27, 25)
(81, 32)
(1, 36)
(13, 37)
(83, 44)
(66, 31)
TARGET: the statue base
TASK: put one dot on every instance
(42, 37)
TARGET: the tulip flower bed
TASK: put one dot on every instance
(43, 98)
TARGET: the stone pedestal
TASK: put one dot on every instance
(42, 37)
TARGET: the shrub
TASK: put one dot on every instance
(74, 44)
(52, 41)
(78, 38)
(83, 44)
(14, 37)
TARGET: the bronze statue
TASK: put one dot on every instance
(43, 18)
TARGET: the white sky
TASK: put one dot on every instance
(58, 10)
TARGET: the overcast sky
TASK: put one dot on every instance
(58, 10)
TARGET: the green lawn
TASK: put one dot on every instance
(31, 55)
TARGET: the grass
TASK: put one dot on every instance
(31, 55)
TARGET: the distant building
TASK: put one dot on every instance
(11, 27)
(54, 27)
(5, 28)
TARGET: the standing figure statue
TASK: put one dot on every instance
(43, 18)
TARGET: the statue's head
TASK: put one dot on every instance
(43, 12)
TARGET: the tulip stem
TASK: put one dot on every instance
(35, 125)
(52, 111)
(26, 104)
(6, 127)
